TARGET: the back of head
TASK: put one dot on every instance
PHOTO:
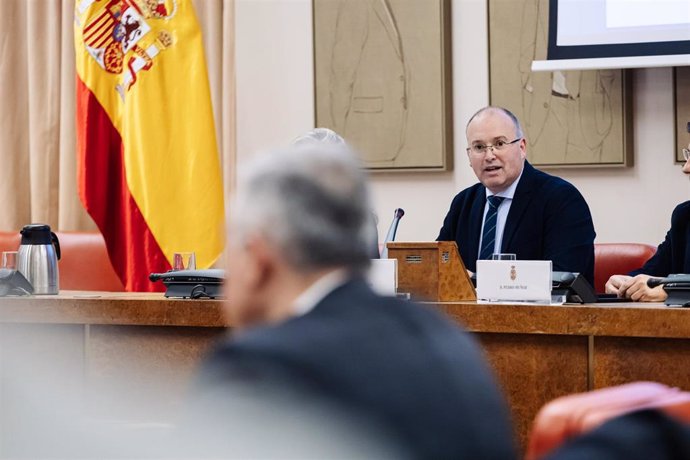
(318, 136)
(310, 201)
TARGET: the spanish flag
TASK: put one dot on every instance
(149, 172)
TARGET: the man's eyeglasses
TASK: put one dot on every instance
(480, 149)
(686, 154)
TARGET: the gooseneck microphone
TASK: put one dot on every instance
(677, 286)
(654, 282)
(392, 230)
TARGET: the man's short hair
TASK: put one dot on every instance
(320, 135)
(511, 115)
(311, 201)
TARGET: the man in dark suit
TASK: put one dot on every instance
(515, 208)
(672, 256)
(309, 328)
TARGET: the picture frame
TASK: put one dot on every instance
(571, 119)
(383, 80)
(681, 100)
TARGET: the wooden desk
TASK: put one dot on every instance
(542, 352)
(538, 352)
(143, 346)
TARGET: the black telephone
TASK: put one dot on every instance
(677, 286)
(574, 286)
(13, 282)
(192, 284)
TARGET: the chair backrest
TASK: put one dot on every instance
(618, 259)
(570, 416)
(84, 265)
(9, 241)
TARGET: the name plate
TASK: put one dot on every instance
(383, 276)
(514, 280)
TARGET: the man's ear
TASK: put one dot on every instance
(523, 148)
(263, 261)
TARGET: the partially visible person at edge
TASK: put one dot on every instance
(672, 256)
(516, 208)
(305, 322)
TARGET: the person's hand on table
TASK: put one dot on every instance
(615, 282)
(636, 289)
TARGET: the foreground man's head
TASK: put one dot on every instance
(298, 214)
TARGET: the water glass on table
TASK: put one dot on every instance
(502, 256)
(184, 261)
(9, 260)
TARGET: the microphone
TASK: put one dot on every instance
(392, 230)
(677, 286)
(673, 281)
(654, 282)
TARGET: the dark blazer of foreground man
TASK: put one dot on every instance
(310, 326)
(548, 217)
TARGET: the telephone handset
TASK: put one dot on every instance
(192, 284)
(574, 286)
(12, 283)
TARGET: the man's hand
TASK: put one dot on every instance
(636, 289)
(615, 282)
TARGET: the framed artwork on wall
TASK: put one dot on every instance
(383, 80)
(570, 118)
(681, 84)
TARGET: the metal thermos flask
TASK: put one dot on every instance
(39, 252)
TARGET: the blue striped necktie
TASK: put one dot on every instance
(489, 232)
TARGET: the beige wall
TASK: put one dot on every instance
(275, 102)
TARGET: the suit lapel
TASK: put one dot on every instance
(521, 201)
(476, 219)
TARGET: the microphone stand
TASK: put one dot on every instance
(392, 230)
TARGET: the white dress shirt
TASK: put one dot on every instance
(315, 293)
(502, 214)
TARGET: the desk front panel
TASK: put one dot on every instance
(534, 369)
(537, 352)
(618, 360)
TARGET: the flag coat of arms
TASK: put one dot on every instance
(149, 173)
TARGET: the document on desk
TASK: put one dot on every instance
(514, 280)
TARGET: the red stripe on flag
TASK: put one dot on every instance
(103, 190)
(97, 36)
(106, 31)
(107, 40)
(89, 26)
(101, 27)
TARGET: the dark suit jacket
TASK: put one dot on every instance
(548, 220)
(643, 435)
(393, 361)
(673, 255)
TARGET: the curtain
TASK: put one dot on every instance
(38, 170)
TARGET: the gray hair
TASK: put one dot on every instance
(511, 115)
(320, 135)
(311, 201)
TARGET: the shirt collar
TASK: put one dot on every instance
(315, 293)
(508, 193)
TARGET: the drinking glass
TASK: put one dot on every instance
(502, 256)
(184, 261)
(9, 260)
